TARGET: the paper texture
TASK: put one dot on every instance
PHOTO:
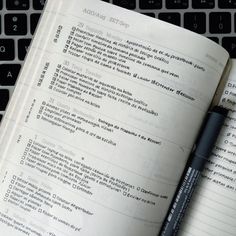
(213, 211)
(103, 118)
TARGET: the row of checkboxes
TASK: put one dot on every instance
(10, 188)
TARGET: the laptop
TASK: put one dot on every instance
(215, 19)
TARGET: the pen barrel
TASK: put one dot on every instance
(208, 137)
(199, 156)
(181, 202)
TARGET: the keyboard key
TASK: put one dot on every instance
(129, 4)
(23, 45)
(215, 39)
(4, 95)
(235, 22)
(220, 22)
(229, 43)
(16, 24)
(38, 4)
(227, 4)
(176, 4)
(150, 4)
(7, 49)
(195, 22)
(149, 14)
(203, 4)
(9, 74)
(34, 18)
(17, 4)
(173, 18)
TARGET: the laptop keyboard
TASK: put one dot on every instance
(18, 21)
(215, 19)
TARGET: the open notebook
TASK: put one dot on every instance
(104, 115)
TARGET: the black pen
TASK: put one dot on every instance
(198, 158)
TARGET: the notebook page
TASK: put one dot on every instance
(213, 209)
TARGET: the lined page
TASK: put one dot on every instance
(213, 209)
